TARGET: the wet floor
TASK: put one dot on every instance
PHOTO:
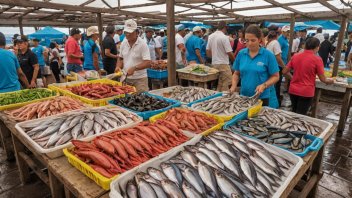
(337, 164)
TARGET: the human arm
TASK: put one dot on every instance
(22, 77)
(199, 56)
(33, 83)
(279, 60)
(96, 61)
(70, 50)
(158, 49)
(143, 65)
(271, 81)
(159, 52)
(320, 73)
(286, 71)
(109, 54)
(235, 79)
(182, 48)
(231, 56)
(227, 46)
(119, 64)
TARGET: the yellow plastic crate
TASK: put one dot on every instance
(18, 105)
(95, 103)
(214, 128)
(88, 171)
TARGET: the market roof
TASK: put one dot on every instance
(82, 12)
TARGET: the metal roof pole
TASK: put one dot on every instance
(292, 32)
(339, 45)
(171, 54)
(20, 25)
(100, 28)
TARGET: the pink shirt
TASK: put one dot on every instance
(72, 47)
(306, 65)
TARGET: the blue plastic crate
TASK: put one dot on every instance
(157, 74)
(147, 114)
(314, 146)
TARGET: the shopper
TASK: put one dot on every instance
(239, 43)
(302, 39)
(42, 55)
(134, 58)
(119, 34)
(256, 66)
(55, 60)
(180, 47)
(274, 46)
(28, 62)
(203, 50)
(92, 55)
(110, 50)
(153, 45)
(326, 50)
(219, 49)
(73, 51)
(164, 56)
(295, 44)
(11, 70)
(319, 35)
(160, 38)
(193, 46)
(305, 66)
(283, 40)
(348, 46)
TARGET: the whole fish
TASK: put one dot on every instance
(231, 164)
(192, 177)
(208, 177)
(171, 189)
(132, 191)
(158, 190)
(248, 170)
(156, 174)
(189, 191)
(189, 157)
(172, 172)
(146, 190)
(213, 156)
(226, 186)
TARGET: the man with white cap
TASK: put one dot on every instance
(134, 57)
(180, 47)
(92, 55)
(194, 45)
(283, 40)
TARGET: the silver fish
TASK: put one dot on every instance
(132, 191)
(172, 172)
(146, 190)
(208, 177)
(213, 156)
(189, 157)
(231, 164)
(248, 169)
(156, 174)
(226, 186)
(171, 189)
(189, 191)
(158, 190)
(87, 126)
(192, 177)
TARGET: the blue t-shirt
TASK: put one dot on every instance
(193, 43)
(38, 51)
(255, 71)
(165, 44)
(8, 67)
(203, 50)
(122, 36)
(88, 55)
(284, 48)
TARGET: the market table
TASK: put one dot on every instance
(65, 180)
(339, 87)
(198, 80)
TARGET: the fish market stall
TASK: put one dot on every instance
(337, 87)
(198, 75)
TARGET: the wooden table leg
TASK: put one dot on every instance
(316, 102)
(68, 193)
(56, 187)
(6, 141)
(317, 170)
(344, 110)
(23, 167)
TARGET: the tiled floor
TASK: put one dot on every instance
(336, 181)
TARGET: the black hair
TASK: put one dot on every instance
(204, 30)
(52, 45)
(2, 39)
(320, 30)
(272, 34)
(304, 30)
(221, 25)
(75, 31)
(312, 43)
(110, 29)
(254, 29)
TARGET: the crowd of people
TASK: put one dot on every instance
(254, 59)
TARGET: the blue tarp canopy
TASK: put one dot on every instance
(325, 24)
(187, 24)
(47, 34)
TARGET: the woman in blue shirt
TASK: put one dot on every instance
(256, 67)
(92, 56)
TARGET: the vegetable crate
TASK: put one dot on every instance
(147, 114)
(157, 74)
(214, 128)
(102, 181)
(96, 103)
(314, 146)
(21, 104)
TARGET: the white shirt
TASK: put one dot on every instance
(179, 40)
(160, 39)
(219, 44)
(295, 45)
(274, 47)
(133, 56)
(153, 43)
(116, 38)
(320, 36)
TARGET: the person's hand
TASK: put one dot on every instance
(32, 85)
(131, 71)
(329, 81)
(184, 62)
(260, 89)
(117, 69)
(233, 89)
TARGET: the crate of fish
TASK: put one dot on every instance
(157, 74)
(110, 155)
(145, 105)
(297, 142)
(226, 106)
(222, 164)
(52, 134)
(186, 95)
(95, 92)
(16, 99)
(191, 122)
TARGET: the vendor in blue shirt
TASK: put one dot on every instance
(92, 56)
(203, 50)
(194, 46)
(256, 66)
(10, 69)
(283, 40)
(42, 55)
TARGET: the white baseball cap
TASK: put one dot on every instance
(285, 28)
(162, 30)
(130, 26)
(92, 30)
(197, 28)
